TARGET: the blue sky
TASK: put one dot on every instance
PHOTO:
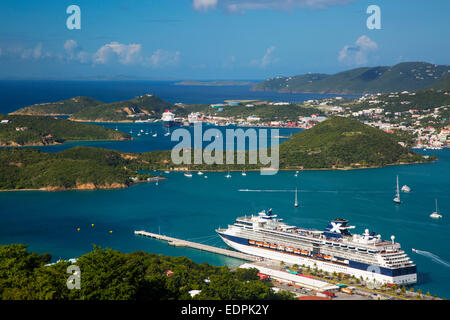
(215, 39)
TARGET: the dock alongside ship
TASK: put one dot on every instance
(184, 243)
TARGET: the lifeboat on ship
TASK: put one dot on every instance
(266, 245)
(296, 251)
(259, 244)
(252, 242)
(273, 246)
(289, 249)
(281, 248)
(304, 252)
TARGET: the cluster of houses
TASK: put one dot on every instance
(426, 125)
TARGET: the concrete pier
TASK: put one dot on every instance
(183, 243)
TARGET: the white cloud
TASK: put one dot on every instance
(162, 58)
(115, 51)
(266, 60)
(35, 53)
(240, 6)
(70, 45)
(358, 53)
(204, 5)
(74, 52)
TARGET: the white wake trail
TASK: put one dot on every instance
(433, 257)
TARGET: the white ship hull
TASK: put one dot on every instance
(321, 265)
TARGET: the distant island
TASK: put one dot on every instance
(90, 110)
(409, 76)
(59, 108)
(217, 83)
(19, 130)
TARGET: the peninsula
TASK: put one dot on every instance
(19, 131)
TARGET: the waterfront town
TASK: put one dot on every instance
(418, 117)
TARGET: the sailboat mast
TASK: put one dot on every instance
(398, 191)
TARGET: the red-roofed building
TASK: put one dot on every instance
(169, 273)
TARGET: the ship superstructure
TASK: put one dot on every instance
(168, 118)
(334, 249)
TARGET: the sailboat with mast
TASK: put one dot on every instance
(436, 215)
(397, 196)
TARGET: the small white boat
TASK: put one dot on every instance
(228, 175)
(188, 174)
(139, 134)
(166, 171)
(117, 129)
(155, 135)
(406, 189)
(296, 200)
(167, 134)
(206, 177)
(200, 173)
(397, 196)
(436, 215)
(243, 173)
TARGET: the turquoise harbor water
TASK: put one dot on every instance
(191, 208)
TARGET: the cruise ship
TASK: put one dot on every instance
(194, 118)
(334, 249)
(168, 118)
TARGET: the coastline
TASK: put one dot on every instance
(88, 186)
(298, 169)
(59, 143)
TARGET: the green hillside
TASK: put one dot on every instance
(343, 142)
(64, 107)
(75, 168)
(410, 76)
(41, 130)
(143, 106)
(336, 143)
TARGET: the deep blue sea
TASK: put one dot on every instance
(18, 94)
(192, 208)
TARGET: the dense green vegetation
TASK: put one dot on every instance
(64, 107)
(408, 76)
(343, 142)
(335, 143)
(111, 275)
(41, 130)
(139, 107)
(32, 169)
